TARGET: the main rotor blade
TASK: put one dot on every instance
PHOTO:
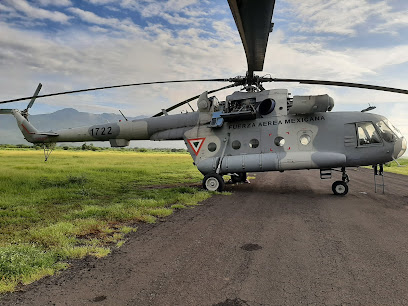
(334, 83)
(192, 99)
(253, 20)
(115, 86)
(35, 96)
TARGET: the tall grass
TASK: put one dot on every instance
(81, 203)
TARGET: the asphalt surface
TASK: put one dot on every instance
(284, 239)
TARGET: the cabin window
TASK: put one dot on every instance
(367, 134)
(279, 141)
(212, 147)
(254, 143)
(236, 144)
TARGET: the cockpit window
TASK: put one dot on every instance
(367, 134)
(387, 133)
(393, 128)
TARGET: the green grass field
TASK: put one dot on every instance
(82, 203)
(394, 168)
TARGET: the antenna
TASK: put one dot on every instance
(369, 108)
(191, 107)
(123, 115)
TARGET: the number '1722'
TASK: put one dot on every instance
(101, 131)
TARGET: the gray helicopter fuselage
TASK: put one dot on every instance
(282, 141)
(330, 140)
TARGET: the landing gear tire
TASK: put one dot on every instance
(213, 182)
(340, 188)
(240, 178)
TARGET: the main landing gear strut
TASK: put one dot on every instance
(341, 187)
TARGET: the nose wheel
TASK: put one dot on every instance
(340, 187)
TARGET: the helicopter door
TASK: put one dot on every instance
(350, 137)
(305, 140)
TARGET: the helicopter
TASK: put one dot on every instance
(253, 129)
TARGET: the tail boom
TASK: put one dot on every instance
(119, 133)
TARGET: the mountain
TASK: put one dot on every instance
(62, 119)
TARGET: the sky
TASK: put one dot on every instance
(72, 44)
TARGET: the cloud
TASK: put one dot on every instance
(99, 2)
(91, 17)
(79, 59)
(393, 21)
(305, 60)
(149, 8)
(177, 19)
(6, 8)
(125, 25)
(337, 17)
(55, 2)
(37, 13)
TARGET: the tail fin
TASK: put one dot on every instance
(29, 131)
(31, 134)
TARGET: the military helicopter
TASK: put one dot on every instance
(253, 130)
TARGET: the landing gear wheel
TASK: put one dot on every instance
(240, 178)
(340, 188)
(213, 182)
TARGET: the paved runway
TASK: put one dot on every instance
(284, 239)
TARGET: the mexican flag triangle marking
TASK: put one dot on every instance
(196, 144)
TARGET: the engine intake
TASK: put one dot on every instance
(266, 107)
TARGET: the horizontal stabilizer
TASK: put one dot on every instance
(47, 133)
(6, 111)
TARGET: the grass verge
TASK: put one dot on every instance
(82, 203)
(395, 168)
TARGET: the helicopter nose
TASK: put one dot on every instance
(401, 147)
